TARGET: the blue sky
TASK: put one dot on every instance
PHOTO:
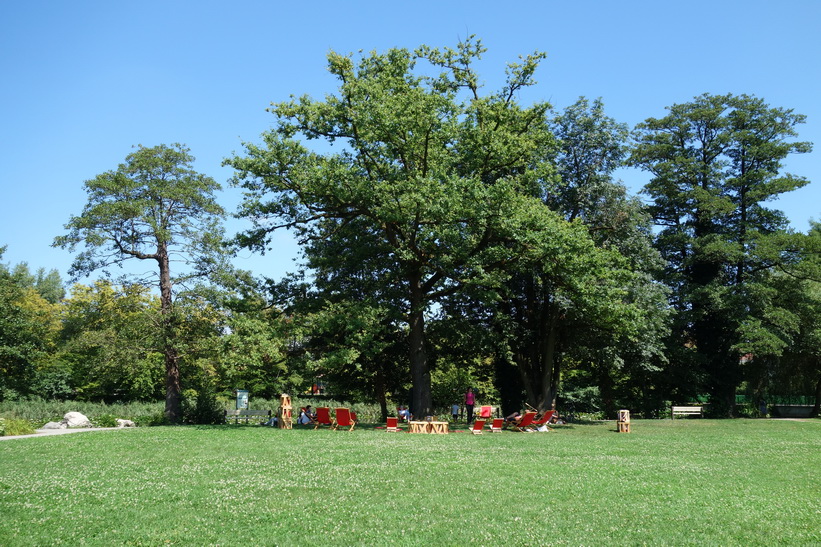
(82, 82)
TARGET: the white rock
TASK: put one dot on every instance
(75, 419)
(125, 423)
(54, 425)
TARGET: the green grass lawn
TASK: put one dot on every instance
(683, 482)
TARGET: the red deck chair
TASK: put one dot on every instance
(496, 425)
(344, 418)
(485, 412)
(323, 416)
(545, 419)
(393, 424)
(526, 421)
(478, 427)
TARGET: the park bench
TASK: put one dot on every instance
(244, 413)
(686, 411)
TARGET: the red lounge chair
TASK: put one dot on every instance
(486, 412)
(344, 418)
(496, 426)
(526, 421)
(323, 416)
(478, 427)
(544, 420)
(393, 424)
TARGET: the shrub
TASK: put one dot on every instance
(40, 410)
(145, 420)
(201, 406)
(104, 420)
(18, 426)
(2, 427)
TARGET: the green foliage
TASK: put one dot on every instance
(110, 345)
(18, 426)
(53, 383)
(104, 420)
(253, 353)
(2, 426)
(28, 324)
(152, 204)
(40, 411)
(147, 420)
(201, 406)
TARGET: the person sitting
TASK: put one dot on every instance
(305, 416)
(513, 419)
(404, 414)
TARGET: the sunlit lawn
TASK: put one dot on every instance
(688, 482)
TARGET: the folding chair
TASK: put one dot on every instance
(525, 422)
(485, 412)
(544, 420)
(393, 424)
(478, 427)
(496, 425)
(323, 416)
(344, 419)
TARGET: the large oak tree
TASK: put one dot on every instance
(438, 177)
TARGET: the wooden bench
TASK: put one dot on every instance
(241, 413)
(686, 411)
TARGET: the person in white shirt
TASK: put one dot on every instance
(305, 417)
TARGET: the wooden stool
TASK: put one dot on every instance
(286, 420)
(624, 421)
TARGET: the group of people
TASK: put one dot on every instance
(306, 416)
(469, 404)
(512, 419)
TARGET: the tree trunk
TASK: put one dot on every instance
(535, 353)
(817, 407)
(551, 368)
(379, 386)
(173, 391)
(421, 399)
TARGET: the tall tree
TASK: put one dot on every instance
(26, 330)
(715, 162)
(432, 172)
(156, 208)
(593, 308)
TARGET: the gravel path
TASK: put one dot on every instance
(47, 432)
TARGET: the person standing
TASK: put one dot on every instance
(470, 400)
